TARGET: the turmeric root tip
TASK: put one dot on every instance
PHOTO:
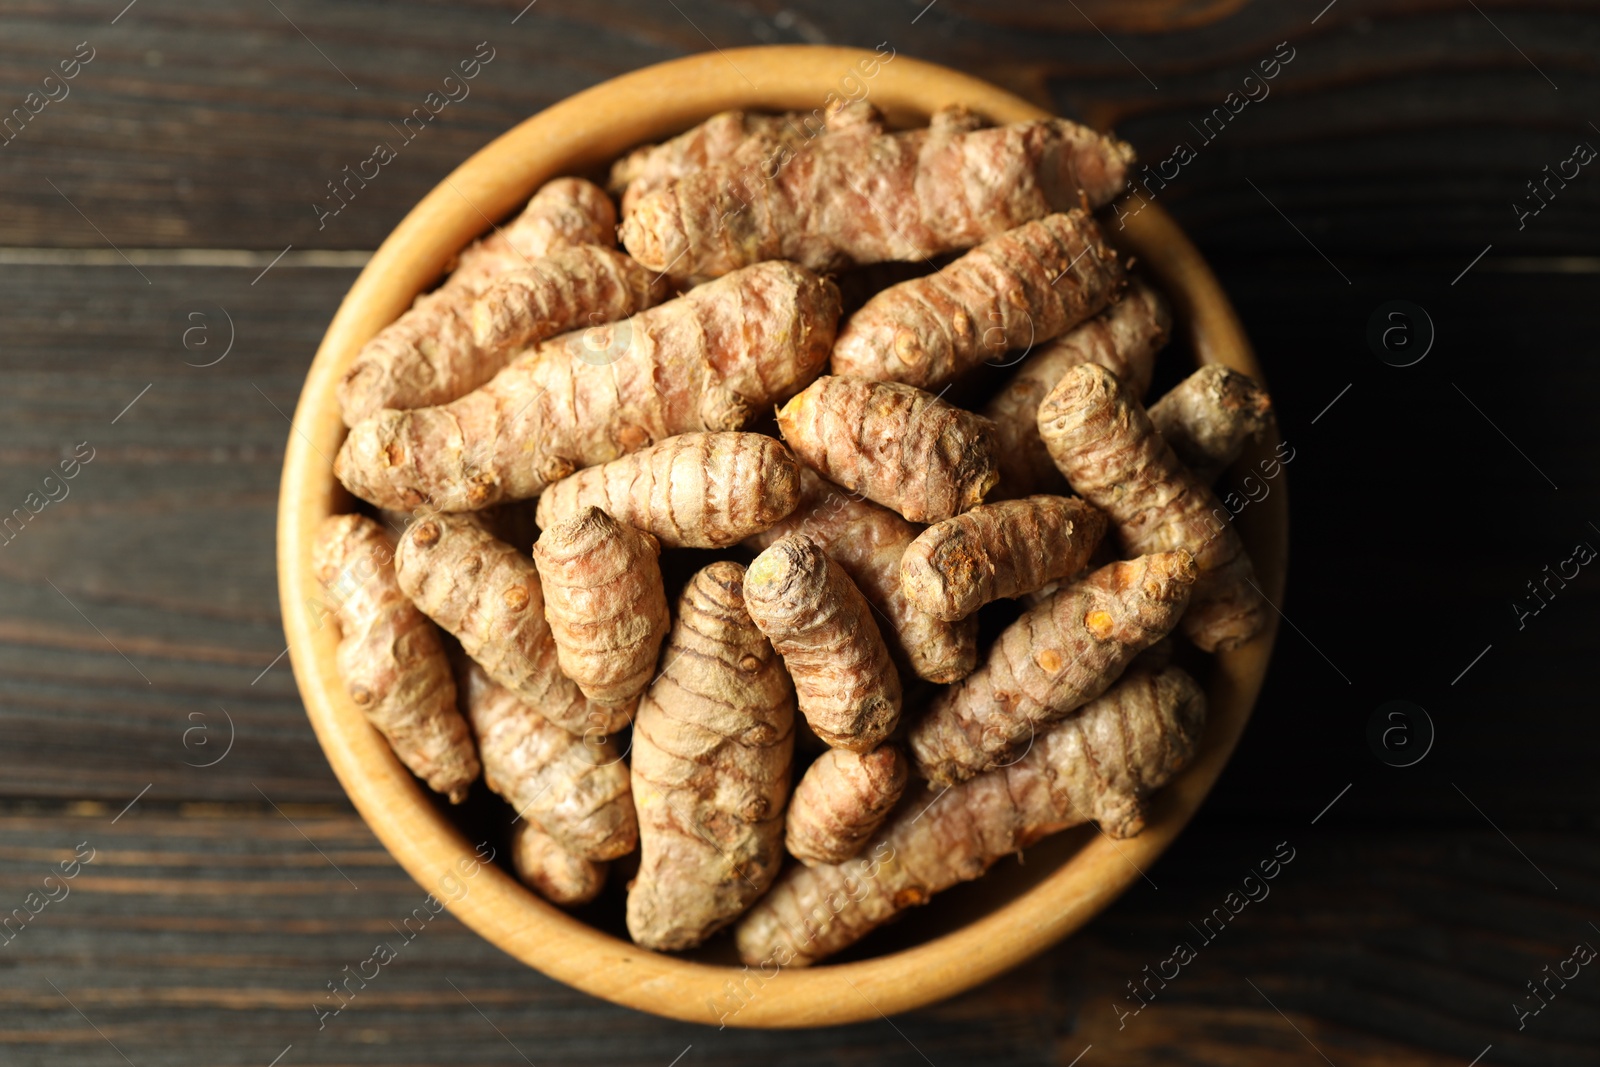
(1124, 339)
(429, 354)
(867, 541)
(904, 448)
(1210, 416)
(604, 602)
(562, 878)
(841, 801)
(823, 628)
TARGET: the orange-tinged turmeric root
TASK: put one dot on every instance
(822, 626)
(1210, 416)
(741, 139)
(574, 788)
(1105, 444)
(564, 212)
(895, 444)
(1099, 766)
(429, 355)
(716, 140)
(566, 290)
(1056, 657)
(488, 595)
(706, 361)
(711, 757)
(859, 196)
(696, 490)
(841, 801)
(868, 541)
(390, 658)
(1020, 288)
(562, 878)
(1124, 339)
(999, 551)
(605, 604)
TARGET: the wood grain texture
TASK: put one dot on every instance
(162, 546)
(1403, 939)
(222, 126)
(191, 925)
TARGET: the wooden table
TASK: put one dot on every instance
(166, 280)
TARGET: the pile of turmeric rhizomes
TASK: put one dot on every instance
(560, 417)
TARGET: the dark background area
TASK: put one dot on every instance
(139, 623)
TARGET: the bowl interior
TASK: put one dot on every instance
(968, 934)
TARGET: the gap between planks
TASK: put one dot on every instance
(182, 257)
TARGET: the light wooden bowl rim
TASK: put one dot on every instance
(574, 136)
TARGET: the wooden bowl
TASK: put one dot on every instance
(974, 935)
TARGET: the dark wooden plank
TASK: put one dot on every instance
(1395, 124)
(184, 928)
(1415, 524)
(142, 604)
(1363, 940)
(1380, 947)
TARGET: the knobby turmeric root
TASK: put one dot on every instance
(999, 551)
(1050, 662)
(1020, 288)
(544, 866)
(604, 602)
(1099, 766)
(1210, 416)
(742, 139)
(904, 448)
(564, 212)
(956, 118)
(390, 658)
(695, 490)
(585, 285)
(1102, 440)
(706, 361)
(575, 788)
(429, 355)
(868, 541)
(1124, 339)
(711, 758)
(488, 595)
(822, 626)
(714, 141)
(841, 801)
(858, 196)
